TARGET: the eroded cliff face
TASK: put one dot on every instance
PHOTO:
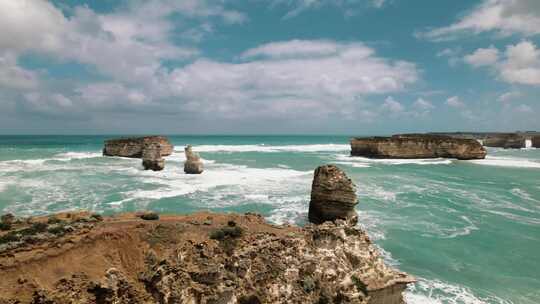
(505, 140)
(200, 258)
(133, 147)
(417, 146)
(535, 141)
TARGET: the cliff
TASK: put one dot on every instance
(417, 146)
(133, 147)
(505, 140)
(535, 141)
(199, 258)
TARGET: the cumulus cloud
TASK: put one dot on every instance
(508, 96)
(392, 106)
(504, 17)
(423, 104)
(296, 78)
(455, 102)
(12, 76)
(322, 77)
(483, 57)
(520, 63)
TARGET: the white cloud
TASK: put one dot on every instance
(299, 48)
(509, 96)
(392, 106)
(521, 64)
(455, 102)
(349, 6)
(30, 24)
(423, 104)
(501, 16)
(523, 108)
(313, 82)
(13, 76)
(483, 57)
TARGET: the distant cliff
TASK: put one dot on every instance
(417, 146)
(133, 147)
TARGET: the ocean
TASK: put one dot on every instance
(468, 230)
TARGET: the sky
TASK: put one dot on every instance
(268, 67)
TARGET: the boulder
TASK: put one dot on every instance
(333, 196)
(133, 147)
(152, 159)
(193, 164)
(409, 146)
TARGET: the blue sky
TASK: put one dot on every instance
(272, 67)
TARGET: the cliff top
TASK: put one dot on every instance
(203, 257)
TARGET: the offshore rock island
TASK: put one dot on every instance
(411, 146)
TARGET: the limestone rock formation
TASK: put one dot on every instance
(535, 141)
(133, 147)
(333, 196)
(505, 140)
(152, 159)
(417, 146)
(193, 164)
(124, 259)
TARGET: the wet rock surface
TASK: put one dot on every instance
(333, 196)
(410, 146)
(133, 147)
(193, 164)
(232, 259)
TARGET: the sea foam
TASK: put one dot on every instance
(507, 162)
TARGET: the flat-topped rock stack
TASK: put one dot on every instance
(410, 146)
(133, 147)
(333, 196)
(193, 164)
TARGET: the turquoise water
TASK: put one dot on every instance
(469, 230)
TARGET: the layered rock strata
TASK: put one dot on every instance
(151, 157)
(535, 141)
(417, 146)
(133, 147)
(333, 196)
(201, 259)
(505, 140)
(193, 164)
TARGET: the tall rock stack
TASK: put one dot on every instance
(152, 159)
(333, 196)
(193, 164)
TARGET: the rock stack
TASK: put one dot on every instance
(152, 159)
(193, 164)
(333, 196)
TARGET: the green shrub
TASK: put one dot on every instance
(361, 286)
(224, 232)
(97, 217)
(54, 220)
(5, 226)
